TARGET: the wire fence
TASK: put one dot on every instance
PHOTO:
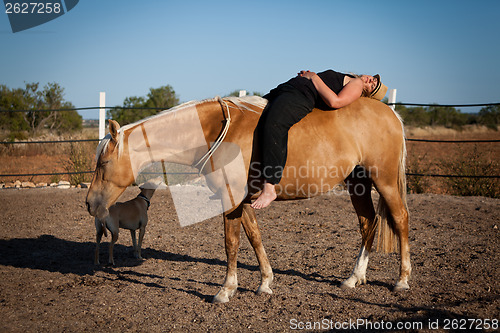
(156, 108)
(160, 108)
(50, 141)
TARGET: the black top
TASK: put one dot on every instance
(334, 80)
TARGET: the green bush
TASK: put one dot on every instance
(449, 116)
(490, 116)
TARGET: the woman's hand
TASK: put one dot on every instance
(307, 74)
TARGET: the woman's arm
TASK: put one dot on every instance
(351, 91)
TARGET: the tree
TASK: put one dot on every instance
(490, 116)
(416, 116)
(125, 116)
(32, 98)
(157, 100)
(446, 116)
(12, 100)
(162, 98)
(434, 115)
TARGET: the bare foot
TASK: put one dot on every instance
(266, 197)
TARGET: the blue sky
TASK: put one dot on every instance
(437, 51)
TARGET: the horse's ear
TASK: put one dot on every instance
(113, 129)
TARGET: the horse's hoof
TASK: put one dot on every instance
(352, 282)
(223, 295)
(218, 299)
(346, 286)
(264, 290)
(401, 286)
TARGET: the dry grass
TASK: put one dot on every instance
(479, 159)
(49, 157)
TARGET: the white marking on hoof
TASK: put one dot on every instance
(224, 294)
(264, 290)
(358, 275)
(352, 282)
(401, 286)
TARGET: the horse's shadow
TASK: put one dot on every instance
(48, 253)
(53, 254)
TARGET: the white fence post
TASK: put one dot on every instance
(392, 98)
(243, 93)
(102, 114)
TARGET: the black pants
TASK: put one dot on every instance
(286, 107)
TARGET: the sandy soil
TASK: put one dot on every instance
(48, 282)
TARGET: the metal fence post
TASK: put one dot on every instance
(102, 114)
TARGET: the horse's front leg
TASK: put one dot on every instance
(253, 233)
(232, 223)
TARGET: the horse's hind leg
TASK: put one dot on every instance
(390, 194)
(253, 233)
(360, 192)
(232, 227)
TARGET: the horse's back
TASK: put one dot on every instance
(325, 146)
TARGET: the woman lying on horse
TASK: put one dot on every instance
(292, 101)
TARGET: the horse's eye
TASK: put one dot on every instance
(102, 163)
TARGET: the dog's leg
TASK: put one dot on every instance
(134, 244)
(114, 238)
(98, 236)
(142, 231)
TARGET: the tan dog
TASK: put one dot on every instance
(132, 215)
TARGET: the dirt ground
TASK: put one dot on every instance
(48, 282)
(469, 158)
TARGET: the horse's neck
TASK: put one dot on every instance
(175, 136)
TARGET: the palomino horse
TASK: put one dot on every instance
(362, 144)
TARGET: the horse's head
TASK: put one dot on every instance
(112, 174)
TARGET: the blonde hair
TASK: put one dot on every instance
(365, 92)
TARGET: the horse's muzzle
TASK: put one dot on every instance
(97, 210)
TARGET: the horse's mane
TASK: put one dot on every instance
(241, 102)
(173, 109)
(103, 145)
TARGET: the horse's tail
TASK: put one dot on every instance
(387, 240)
